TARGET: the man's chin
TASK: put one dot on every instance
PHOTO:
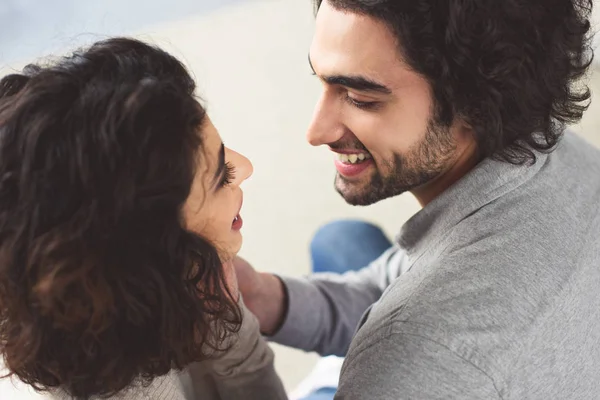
(359, 193)
(355, 194)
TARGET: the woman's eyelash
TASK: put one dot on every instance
(228, 175)
(363, 105)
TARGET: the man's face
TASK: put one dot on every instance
(376, 114)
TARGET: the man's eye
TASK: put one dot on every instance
(363, 105)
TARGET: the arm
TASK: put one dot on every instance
(321, 313)
(407, 366)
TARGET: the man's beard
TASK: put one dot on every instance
(422, 164)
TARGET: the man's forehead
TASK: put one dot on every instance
(349, 43)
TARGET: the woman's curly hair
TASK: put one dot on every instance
(509, 68)
(100, 284)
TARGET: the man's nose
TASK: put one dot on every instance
(325, 126)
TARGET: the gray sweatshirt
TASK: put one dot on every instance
(246, 372)
(492, 291)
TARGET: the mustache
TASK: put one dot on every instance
(348, 145)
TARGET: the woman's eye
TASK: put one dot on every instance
(228, 175)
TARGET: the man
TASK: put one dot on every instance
(490, 291)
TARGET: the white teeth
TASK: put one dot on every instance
(353, 158)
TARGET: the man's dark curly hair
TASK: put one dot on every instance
(100, 284)
(509, 68)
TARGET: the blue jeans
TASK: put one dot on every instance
(343, 246)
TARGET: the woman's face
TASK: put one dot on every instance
(212, 209)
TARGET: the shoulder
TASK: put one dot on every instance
(395, 364)
(461, 306)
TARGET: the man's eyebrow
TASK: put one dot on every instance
(359, 83)
(221, 165)
(355, 82)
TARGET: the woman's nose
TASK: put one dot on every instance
(243, 166)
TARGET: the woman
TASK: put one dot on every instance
(119, 218)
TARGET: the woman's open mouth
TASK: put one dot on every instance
(237, 223)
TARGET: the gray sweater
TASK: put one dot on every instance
(492, 291)
(245, 372)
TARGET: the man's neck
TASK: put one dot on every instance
(467, 159)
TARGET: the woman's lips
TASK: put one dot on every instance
(237, 223)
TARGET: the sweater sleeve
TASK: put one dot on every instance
(325, 309)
